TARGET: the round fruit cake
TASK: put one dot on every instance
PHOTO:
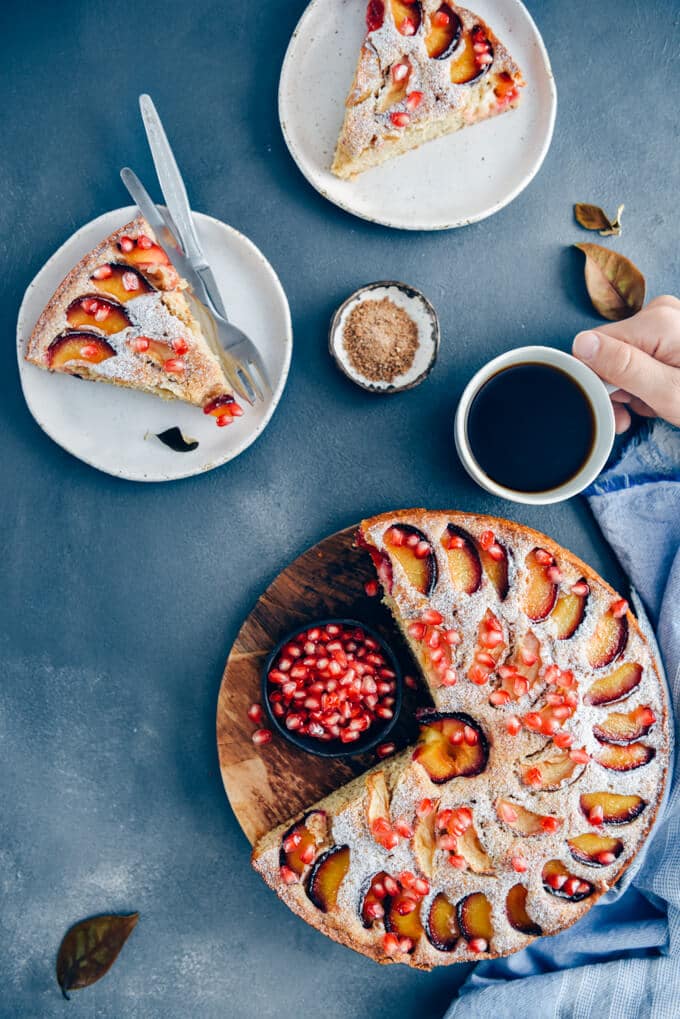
(538, 771)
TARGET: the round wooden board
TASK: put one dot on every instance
(268, 784)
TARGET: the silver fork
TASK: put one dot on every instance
(245, 356)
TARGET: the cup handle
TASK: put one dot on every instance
(610, 388)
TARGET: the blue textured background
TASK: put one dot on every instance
(120, 601)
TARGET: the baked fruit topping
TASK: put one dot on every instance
(407, 15)
(122, 282)
(474, 921)
(622, 728)
(611, 808)
(516, 911)
(450, 746)
(327, 876)
(595, 850)
(372, 908)
(473, 57)
(301, 843)
(609, 639)
(414, 553)
(626, 758)
(541, 593)
(526, 822)
(97, 313)
(465, 567)
(494, 558)
(570, 609)
(142, 251)
(558, 881)
(551, 770)
(444, 33)
(615, 686)
(78, 346)
(441, 927)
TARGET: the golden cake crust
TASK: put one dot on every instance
(408, 781)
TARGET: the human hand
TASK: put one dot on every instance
(640, 355)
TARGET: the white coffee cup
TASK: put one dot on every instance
(597, 393)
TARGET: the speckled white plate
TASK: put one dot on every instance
(446, 183)
(114, 429)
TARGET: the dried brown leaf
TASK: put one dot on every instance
(90, 948)
(615, 285)
(592, 217)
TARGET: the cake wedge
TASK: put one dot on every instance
(425, 69)
(122, 316)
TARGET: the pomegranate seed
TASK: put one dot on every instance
(422, 549)
(390, 943)
(470, 735)
(556, 881)
(457, 861)
(570, 886)
(596, 815)
(507, 812)
(441, 19)
(261, 736)
(486, 539)
(144, 242)
(288, 876)
(406, 905)
(521, 686)
(496, 552)
(563, 740)
(519, 864)
(528, 657)
(433, 639)
(374, 910)
(103, 311)
(513, 725)
(532, 720)
(552, 674)
(180, 346)
(391, 886)
(456, 738)
(371, 588)
(292, 842)
(449, 677)
(406, 878)
(416, 630)
(452, 637)
(619, 608)
(403, 828)
(407, 27)
(102, 273)
(89, 305)
(413, 101)
(308, 853)
(432, 617)
(583, 887)
(255, 713)
(383, 712)
(562, 712)
(534, 777)
(543, 557)
(88, 351)
(443, 818)
(606, 858)
(579, 756)
(400, 71)
(130, 281)
(491, 639)
(645, 716)
(411, 682)
(421, 886)
(581, 589)
(478, 675)
(554, 573)
(456, 541)
(499, 697)
(447, 842)
(126, 244)
(405, 944)
(484, 658)
(549, 726)
(478, 945)
(550, 824)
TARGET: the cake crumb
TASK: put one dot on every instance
(380, 339)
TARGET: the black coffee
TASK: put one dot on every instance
(531, 427)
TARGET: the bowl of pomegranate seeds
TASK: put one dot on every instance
(333, 688)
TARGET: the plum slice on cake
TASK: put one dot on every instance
(122, 316)
(425, 69)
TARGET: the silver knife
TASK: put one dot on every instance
(175, 194)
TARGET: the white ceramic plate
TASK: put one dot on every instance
(449, 182)
(114, 429)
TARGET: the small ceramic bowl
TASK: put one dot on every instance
(377, 732)
(417, 306)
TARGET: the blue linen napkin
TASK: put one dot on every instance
(623, 958)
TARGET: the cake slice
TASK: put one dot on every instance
(122, 316)
(425, 69)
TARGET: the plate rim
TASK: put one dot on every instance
(22, 334)
(417, 226)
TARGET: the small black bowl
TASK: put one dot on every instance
(377, 732)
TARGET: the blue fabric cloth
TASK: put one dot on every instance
(623, 958)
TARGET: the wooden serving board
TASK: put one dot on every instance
(268, 784)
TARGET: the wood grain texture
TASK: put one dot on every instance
(268, 784)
